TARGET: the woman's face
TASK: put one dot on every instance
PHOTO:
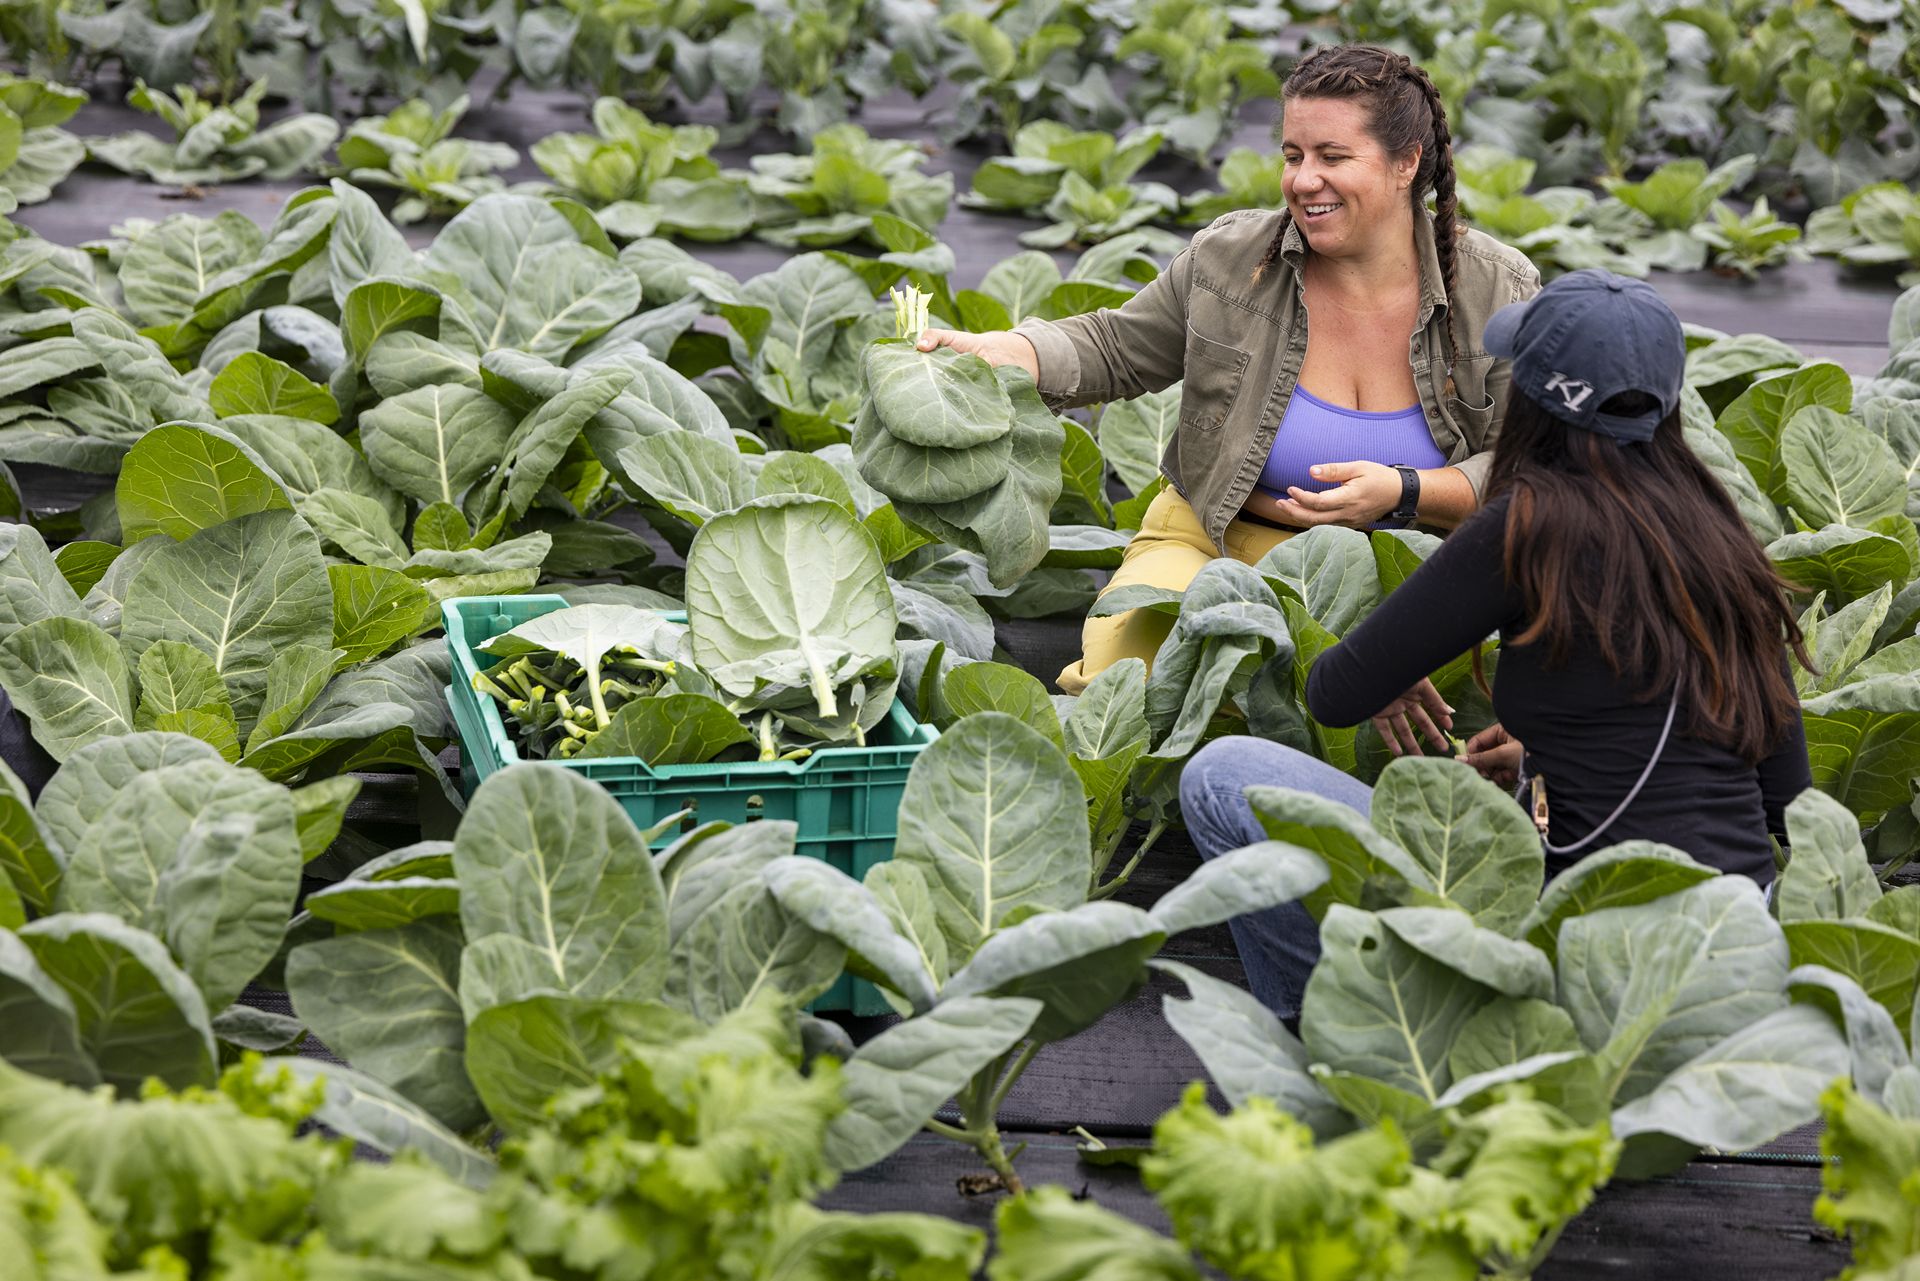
(1341, 186)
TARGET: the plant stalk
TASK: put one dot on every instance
(1113, 887)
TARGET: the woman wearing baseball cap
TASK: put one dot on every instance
(1644, 633)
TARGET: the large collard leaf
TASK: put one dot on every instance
(139, 1014)
(832, 903)
(371, 1112)
(1618, 876)
(388, 1001)
(1847, 563)
(1755, 419)
(935, 399)
(1510, 967)
(1758, 1081)
(356, 904)
(70, 680)
(255, 383)
(31, 584)
(522, 1054)
(1863, 742)
(1716, 451)
(1382, 1009)
(434, 442)
(692, 477)
(1875, 1044)
(1135, 434)
(1653, 985)
(364, 244)
(540, 443)
(1250, 879)
(896, 1081)
(794, 311)
(42, 1031)
(1828, 877)
(306, 457)
(789, 593)
(1477, 846)
(169, 267)
(1000, 687)
(992, 818)
(240, 592)
(658, 400)
(519, 269)
(674, 729)
(202, 855)
(1245, 1048)
(1883, 958)
(30, 861)
(549, 862)
(1838, 472)
(1008, 522)
(374, 609)
(734, 945)
(1355, 852)
(1329, 570)
(139, 368)
(1110, 715)
(1230, 624)
(1079, 964)
(89, 783)
(913, 473)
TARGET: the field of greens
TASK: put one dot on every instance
(260, 1019)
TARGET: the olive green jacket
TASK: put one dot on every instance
(1238, 344)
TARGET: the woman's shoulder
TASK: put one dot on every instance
(1234, 243)
(1485, 265)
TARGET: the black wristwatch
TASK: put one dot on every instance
(1409, 507)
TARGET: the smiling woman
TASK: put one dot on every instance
(1398, 406)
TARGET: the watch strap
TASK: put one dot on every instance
(1409, 508)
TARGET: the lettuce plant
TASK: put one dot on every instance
(1253, 1196)
(214, 143)
(981, 929)
(35, 153)
(694, 1151)
(1870, 1191)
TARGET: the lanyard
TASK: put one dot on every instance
(1539, 788)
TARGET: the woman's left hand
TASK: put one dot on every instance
(1420, 711)
(1363, 493)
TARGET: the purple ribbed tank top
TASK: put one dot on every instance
(1312, 431)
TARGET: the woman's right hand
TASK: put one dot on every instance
(1496, 754)
(1001, 347)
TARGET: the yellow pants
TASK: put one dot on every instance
(1170, 549)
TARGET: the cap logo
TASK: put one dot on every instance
(1573, 391)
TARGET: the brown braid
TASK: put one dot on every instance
(1404, 111)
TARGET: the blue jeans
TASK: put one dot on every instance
(1278, 946)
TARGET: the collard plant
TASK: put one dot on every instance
(644, 178)
(215, 142)
(147, 886)
(35, 153)
(1081, 182)
(1638, 988)
(1245, 637)
(982, 932)
(412, 150)
(477, 978)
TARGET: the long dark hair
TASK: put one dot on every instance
(1640, 547)
(1404, 110)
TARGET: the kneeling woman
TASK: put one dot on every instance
(1385, 409)
(1644, 633)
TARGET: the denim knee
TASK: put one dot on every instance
(1213, 800)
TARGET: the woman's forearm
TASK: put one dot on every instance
(1446, 497)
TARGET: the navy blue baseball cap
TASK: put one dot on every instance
(1587, 337)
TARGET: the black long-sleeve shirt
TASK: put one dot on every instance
(1583, 728)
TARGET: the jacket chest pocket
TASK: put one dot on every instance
(1211, 383)
(1473, 406)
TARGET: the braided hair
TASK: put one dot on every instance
(1404, 110)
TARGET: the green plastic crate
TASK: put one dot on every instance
(844, 800)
